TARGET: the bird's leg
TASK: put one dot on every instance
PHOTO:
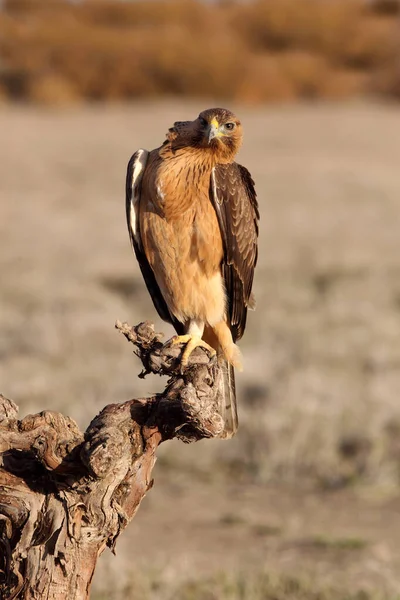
(192, 340)
(230, 350)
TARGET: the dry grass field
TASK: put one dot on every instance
(304, 502)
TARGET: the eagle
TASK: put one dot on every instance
(192, 217)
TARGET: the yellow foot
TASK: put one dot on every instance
(192, 342)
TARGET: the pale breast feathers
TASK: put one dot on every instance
(134, 178)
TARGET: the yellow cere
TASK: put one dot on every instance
(214, 123)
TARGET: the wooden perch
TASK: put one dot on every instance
(66, 495)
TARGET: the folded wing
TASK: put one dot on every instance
(234, 198)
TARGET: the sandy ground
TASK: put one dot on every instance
(310, 483)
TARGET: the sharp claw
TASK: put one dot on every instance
(192, 342)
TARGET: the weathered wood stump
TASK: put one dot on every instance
(66, 495)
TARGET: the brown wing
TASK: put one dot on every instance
(234, 198)
(136, 167)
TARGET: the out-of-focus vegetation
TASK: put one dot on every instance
(55, 51)
(261, 586)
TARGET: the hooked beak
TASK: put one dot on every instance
(213, 131)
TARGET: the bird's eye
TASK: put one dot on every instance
(230, 126)
(203, 122)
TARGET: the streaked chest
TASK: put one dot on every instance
(176, 207)
(178, 184)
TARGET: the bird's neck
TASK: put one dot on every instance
(205, 157)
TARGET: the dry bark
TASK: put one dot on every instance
(66, 495)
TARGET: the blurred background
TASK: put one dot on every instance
(304, 502)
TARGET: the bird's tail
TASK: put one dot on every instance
(227, 406)
(227, 400)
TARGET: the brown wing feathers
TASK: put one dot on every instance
(233, 195)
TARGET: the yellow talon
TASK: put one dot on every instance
(192, 342)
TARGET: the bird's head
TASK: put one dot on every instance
(220, 129)
(217, 130)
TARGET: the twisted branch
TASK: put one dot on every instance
(65, 495)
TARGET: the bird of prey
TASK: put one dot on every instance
(192, 216)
